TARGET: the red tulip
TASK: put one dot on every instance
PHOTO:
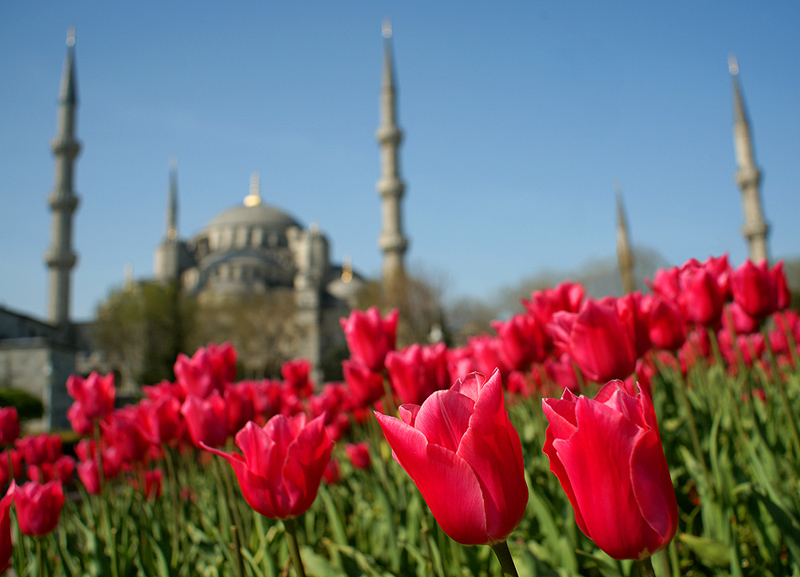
(206, 419)
(607, 455)
(332, 473)
(160, 419)
(95, 395)
(240, 407)
(596, 339)
(9, 425)
(666, 283)
(364, 385)
(38, 507)
(296, 375)
(370, 337)
(522, 341)
(754, 288)
(282, 465)
(666, 327)
(486, 352)
(210, 369)
(358, 453)
(5, 528)
(62, 470)
(568, 296)
(122, 430)
(734, 316)
(6, 469)
(701, 297)
(38, 449)
(417, 371)
(461, 443)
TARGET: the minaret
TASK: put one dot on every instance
(624, 252)
(167, 262)
(172, 200)
(390, 186)
(748, 176)
(63, 202)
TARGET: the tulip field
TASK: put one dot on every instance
(650, 434)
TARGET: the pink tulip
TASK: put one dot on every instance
(754, 288)
(160, 419)
(701, 297)
(522, 341)
(38, 449)
(370, 337)
(5, 528)
(38, 507)
(465, 457)
(666, 327)
(607, 455)
(358, 453)
(206, 419)
(417, 371)
(9, 425)
(210, 369)
(364, 386)
(283, 464)
(597, 340)
(95, 395)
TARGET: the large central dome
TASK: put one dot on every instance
(261, 215)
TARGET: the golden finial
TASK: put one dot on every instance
(347, 269)
(254, 198)
(733, 65)
(71, 36)
(386, 29)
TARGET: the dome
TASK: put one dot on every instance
(260, 215)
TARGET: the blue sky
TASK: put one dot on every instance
(518, 119)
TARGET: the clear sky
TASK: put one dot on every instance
(518, 119)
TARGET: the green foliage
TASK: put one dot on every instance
(28, 406)
(739, 502)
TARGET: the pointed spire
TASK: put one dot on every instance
(60, 257)
(390, 186)
(68, 92)
(748, 176)
(254, 198)
(624, 253)
(172, 201)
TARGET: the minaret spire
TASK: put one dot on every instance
(390, 186)
(624, 253)
(63, 202)
(172, 201)
(748, 176)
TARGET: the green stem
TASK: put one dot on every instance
(234, 529)
(777, 376)
(390, 404)
(687, 406)
(294, 550)
(40, 558)
(504, 556)
(176, 519)
(111, 541)
(645, 567)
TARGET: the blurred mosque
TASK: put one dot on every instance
(256, 248)
(248, 250)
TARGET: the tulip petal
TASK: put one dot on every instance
(263, 496)
(444, 417)
(495, 454)
(306, 459)
(447, 483)
(560, 415)
(604, 442)
(653, 488)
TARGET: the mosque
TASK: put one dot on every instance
(253, 249)
(250, 249)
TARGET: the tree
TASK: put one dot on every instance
(264, 329)
(141, 328)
